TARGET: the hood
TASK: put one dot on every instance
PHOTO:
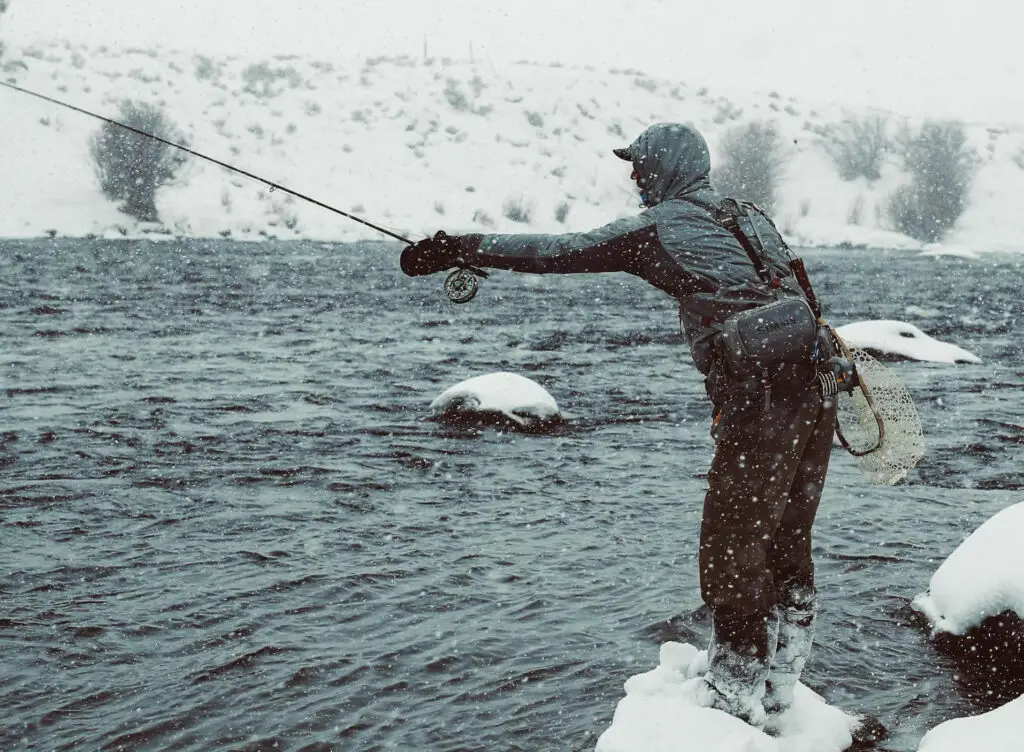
(671, 158)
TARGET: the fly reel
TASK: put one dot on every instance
(461, 285)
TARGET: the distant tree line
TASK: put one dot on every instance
(936, 157)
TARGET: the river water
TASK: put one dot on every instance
(226, 523)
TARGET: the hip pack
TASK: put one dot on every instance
(760, 341)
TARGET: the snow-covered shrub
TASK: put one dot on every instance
(132, 167)
(517, 210)
(725, 111)
(264, 80)
(858, 145)
(206, 68)
(4, 4)
(481, 217)
(458, 99)
(282, 212)
(941, 165)
(750, 164)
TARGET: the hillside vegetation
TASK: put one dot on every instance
(418, 144)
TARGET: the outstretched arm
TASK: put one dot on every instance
(616, 247)
(627, 245)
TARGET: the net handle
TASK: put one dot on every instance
(866, 391)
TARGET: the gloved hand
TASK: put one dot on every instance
(438, 253)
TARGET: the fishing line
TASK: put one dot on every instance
(225, 165)
(461, 284)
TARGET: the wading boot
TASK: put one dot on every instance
(738, 662)
(796, 633)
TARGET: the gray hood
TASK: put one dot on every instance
(672, 159)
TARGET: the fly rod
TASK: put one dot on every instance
(461, 285)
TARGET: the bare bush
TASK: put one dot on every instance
(132, 167)
(752, 162)
(941, 166)
(858, 146)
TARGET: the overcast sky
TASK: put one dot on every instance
(941, 58)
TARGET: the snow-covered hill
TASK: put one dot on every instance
(421, 144)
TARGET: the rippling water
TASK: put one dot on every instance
(225, 522)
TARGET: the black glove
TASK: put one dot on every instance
(438, 253)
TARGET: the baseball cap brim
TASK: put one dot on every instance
(623, 153)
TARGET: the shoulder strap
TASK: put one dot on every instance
(729, 219)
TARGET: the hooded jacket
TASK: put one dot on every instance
(677, 244)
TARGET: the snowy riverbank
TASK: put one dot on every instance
(416, 144)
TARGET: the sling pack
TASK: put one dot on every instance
(758, 341)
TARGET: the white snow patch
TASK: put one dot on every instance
(999, 730)
(951, 250)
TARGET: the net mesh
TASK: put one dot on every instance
(902, 445)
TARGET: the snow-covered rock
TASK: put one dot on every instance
(982, 578)
(665, 710)
(999, 730)
(974, 606)
(497, 397)
(901, 338)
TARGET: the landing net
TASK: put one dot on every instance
(878, 422)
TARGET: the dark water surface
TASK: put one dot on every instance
(225, 522)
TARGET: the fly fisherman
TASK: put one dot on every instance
(773, 429)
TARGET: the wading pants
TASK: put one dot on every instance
(765, 483)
